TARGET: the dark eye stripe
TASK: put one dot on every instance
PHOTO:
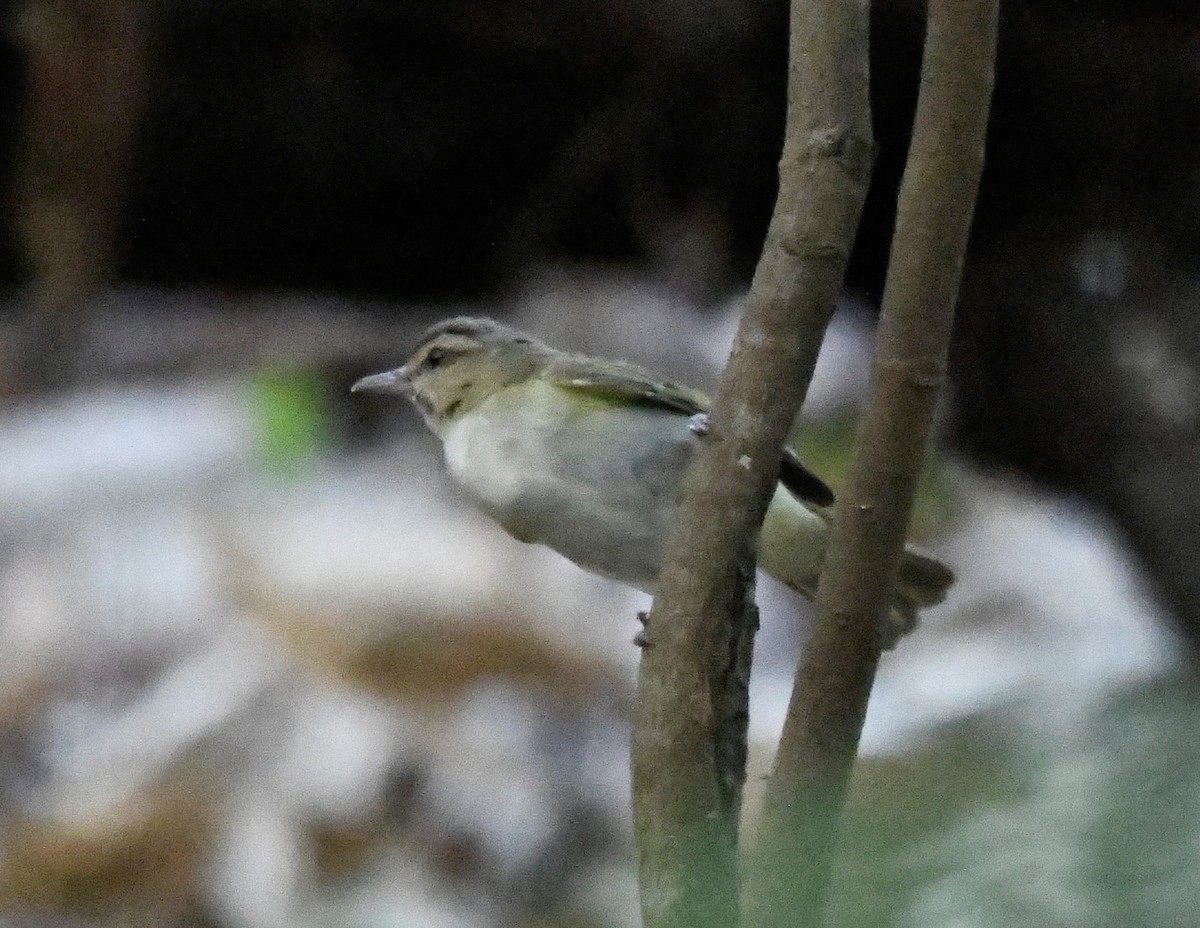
(440, 354)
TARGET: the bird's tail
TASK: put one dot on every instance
(792, 548)
(923, 578)
(923, 581)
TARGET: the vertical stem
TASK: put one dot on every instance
(85, 63)
(805, 795)
(686, 719)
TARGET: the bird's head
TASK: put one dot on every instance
(457, 364)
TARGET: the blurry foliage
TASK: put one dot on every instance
(1094, 823)
(292, 412)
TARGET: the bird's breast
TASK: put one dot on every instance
(596, 481)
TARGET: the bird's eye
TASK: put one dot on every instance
(434, 358)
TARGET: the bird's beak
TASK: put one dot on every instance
(395, 381)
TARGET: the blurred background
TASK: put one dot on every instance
(261, 666)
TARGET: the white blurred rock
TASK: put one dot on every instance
(98, 758)
(91, 450)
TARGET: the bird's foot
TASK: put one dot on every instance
(698, 423)
(640, 639)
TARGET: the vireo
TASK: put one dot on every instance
(586, 456)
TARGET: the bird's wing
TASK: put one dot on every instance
(627, 383)
(803, 483)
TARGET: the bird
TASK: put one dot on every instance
(587, 455)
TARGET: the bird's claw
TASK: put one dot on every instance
(640, 639)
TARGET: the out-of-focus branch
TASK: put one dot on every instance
(85, 62)
(805, 794)
(685, 797)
